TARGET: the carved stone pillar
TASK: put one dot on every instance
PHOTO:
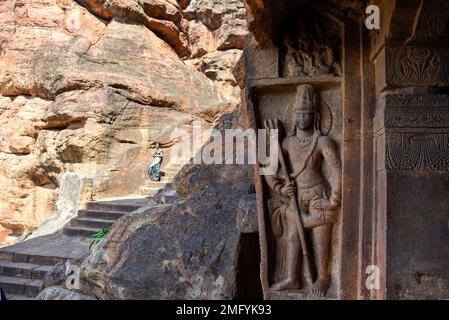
(412, 152)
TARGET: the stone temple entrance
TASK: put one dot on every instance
(381, 97)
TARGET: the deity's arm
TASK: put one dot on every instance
(332, 158)
(276, 182)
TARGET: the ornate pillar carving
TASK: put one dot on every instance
(412, 151)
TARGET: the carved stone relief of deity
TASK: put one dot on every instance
(304, 205)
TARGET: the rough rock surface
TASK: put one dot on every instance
(85, 85)
(56, 276)
(218, 34)
(59, 293)
(246, 220)
(188, 250)
(74, 191)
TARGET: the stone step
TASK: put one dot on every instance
(98, 214)
(42, 260)
(157, 184)
(32, 289)
(168, 177)
(20, 286)
(91, 223)
(174, 165)
(17, 269)
(164, 199)
(166, 180)
(80, 231)
(13, 285)
(39, 272)
(148, 191)
(6, 255)
(170, 172)
(23, 270)
(111, 206)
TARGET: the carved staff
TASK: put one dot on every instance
(273, 124)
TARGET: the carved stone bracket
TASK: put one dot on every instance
(417, 151)
(417, 66)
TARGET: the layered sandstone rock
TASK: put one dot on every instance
(188, 250)
(218, 34)
(59, 293)
(84, 87)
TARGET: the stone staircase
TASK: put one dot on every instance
(21, 280)
(24, 265)
(167, 176)
(101, 214)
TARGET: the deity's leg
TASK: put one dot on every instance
(322, 237)
(292, 262)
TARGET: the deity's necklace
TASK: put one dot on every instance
(305, 143)
(310, 146)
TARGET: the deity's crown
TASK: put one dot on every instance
(304, 99)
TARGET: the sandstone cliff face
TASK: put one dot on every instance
(85, 85)
(217, 33)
